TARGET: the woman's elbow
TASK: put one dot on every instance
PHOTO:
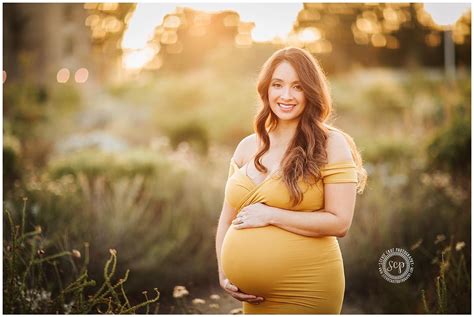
(341, 234)
(343, 230)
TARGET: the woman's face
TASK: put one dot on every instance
(285, 93)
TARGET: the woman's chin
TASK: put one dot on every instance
(287, 117)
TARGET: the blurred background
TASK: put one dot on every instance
(119, 121)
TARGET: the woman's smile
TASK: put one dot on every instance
(285, 107)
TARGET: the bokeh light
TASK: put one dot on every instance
(63, 75)
(310, 34)
(81, 75)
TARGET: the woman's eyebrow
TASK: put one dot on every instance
(278, 79)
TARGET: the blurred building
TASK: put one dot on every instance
(40, 39)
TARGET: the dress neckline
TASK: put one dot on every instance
(243, 170)
(341, 164)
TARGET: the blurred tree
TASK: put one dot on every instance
(392, 34)
(107, 23)
(187, 31)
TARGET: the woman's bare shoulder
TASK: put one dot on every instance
(245, 150)
(337, 147)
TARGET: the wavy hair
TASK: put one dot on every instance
(306, 152)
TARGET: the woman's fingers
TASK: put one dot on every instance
(246, 297)
(257, 300)
(234, 292)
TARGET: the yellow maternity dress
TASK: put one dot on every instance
(295, 274)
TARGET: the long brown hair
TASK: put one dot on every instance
(306, 152)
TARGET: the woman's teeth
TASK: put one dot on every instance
(286, 107)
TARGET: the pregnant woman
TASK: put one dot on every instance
(290, 193)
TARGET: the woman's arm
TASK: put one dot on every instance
(334, 220)
(224, 223)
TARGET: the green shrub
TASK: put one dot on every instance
(162, 216)
(450, 149)
(33, 283)
(192, 133)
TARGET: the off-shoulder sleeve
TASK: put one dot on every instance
(343, 172)
(232, 168)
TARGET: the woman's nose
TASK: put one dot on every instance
(285, 94)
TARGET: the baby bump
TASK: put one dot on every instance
(276, 263)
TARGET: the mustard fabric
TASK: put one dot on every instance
(295, 274)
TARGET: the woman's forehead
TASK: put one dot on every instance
(285, 72)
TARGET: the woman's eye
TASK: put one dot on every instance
(276, 85)
(298, 87)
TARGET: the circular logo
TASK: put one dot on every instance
(396, 265)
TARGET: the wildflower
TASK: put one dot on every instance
(68, 307)
(180, 291)
(40, 252)
(76, 253)
(38, 229)
(214, 306)
(236, 311)
(416, 245)
(113, 251)
(215, 297)
(198, 301)
(460, 245)
(45, 295)
(440, 238)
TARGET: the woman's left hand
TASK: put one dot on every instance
(253, 216)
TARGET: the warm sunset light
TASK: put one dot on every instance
(147, 17)
(315, 155)
(310, 34)
(446, 14)
(135, 59)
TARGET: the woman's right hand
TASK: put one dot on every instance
(237, 294)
